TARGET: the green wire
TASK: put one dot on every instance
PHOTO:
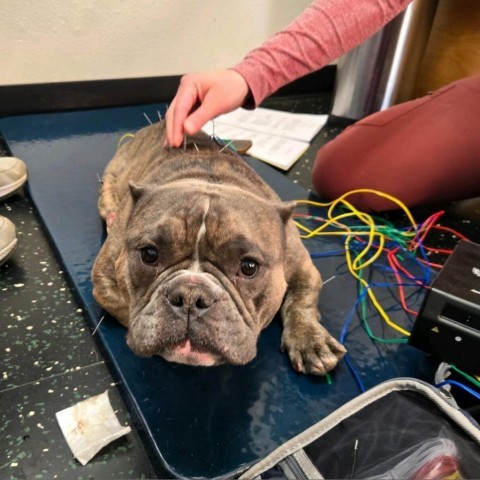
(388, 230)
(363, 318)
(465, 375)
(395, 235)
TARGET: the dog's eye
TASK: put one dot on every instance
(248, 267)
(149, 255)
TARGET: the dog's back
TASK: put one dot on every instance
(146, 160)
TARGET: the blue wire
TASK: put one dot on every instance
(355, 374)
(425, 258)
(343, 336)
(425, 268)
(461, 385)
(348, 321)
(327, 254)
(346, 325)
(425, 280)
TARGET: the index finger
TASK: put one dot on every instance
(182, 104)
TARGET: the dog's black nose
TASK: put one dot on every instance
(190, 299)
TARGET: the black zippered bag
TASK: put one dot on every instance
(402, 428)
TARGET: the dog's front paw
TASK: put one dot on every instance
(312, 349)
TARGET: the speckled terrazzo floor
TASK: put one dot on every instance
(50, 360)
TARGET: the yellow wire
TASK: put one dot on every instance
(373, 234)
(363, 190)
(329, 222)
(373, 298)
(453, 476)
(123, 137)
(341, 199)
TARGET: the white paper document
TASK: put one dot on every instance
(279, 138)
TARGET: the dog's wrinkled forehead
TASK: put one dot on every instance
(218, 218)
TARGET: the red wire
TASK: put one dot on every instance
(428, 225)
(452, 231)
(401, 268)
(392, 260)
(437, 468)
(423, 232)
(430, 264)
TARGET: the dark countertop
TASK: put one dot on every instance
(50, 360)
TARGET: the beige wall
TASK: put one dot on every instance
(69, 40)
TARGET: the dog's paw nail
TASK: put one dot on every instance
(298, 367)
(330, 362)
(317, 368)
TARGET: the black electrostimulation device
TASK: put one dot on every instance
(448, 324)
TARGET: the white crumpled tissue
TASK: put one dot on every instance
(89, 426)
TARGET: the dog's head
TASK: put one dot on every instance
(201, 269)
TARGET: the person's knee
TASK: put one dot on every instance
(423, 151)
(338, 170)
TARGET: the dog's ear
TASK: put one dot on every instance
(137, 191)
(285, 209)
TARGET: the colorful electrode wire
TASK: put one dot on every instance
(373, 242)
(366, 240)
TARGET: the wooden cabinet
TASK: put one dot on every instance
(453, 49)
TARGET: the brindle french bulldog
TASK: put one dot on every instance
(200, 256)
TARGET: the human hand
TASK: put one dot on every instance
(213, 93)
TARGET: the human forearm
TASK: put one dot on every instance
(323, 32)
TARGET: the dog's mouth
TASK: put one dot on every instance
(191, 354)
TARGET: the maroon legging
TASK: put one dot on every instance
(422, 151)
